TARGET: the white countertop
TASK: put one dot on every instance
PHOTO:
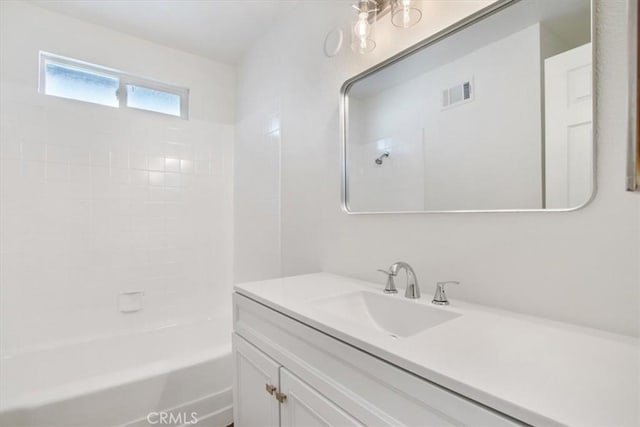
(535, 370)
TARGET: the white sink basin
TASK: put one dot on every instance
(391, 314)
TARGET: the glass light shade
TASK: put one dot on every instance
(405, 13)
(362, 32)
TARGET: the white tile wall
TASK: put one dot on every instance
(97, 201)
(257, 179)
(257, 196)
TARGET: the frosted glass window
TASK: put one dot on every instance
(74, 79)
(83, 85)
(148, 99)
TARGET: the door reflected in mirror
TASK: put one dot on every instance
(495, 116)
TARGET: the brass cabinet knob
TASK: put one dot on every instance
(271, 388)
(280, 397)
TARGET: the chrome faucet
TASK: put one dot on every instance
(440, 298)
(413, 290)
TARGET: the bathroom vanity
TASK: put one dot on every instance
(322, 349)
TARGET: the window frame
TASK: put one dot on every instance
(124, 80)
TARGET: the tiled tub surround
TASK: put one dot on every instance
(97, 201)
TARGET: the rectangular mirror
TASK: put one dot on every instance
(492, 114)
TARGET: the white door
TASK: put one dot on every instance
(568, 128)
(305, 407)
(254, 388)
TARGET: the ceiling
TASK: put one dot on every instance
(222, 30)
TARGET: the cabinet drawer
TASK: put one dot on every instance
(369, 389)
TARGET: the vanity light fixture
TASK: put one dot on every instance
(362, 40)
(404, 14)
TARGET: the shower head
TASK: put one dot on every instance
(382, 156)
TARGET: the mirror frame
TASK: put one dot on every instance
(456, 27)
(633, 166)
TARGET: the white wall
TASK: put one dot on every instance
(96, 201)
(579, 267)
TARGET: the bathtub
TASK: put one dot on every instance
(174, 375)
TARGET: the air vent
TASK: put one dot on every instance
(457, 95)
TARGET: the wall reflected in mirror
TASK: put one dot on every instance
(496, 116)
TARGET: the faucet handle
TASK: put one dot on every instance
(390, 287)
(440, 297)
(453, 282)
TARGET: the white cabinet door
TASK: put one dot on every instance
(305, 407)
(253, 404)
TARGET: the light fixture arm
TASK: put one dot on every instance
(383, 7)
